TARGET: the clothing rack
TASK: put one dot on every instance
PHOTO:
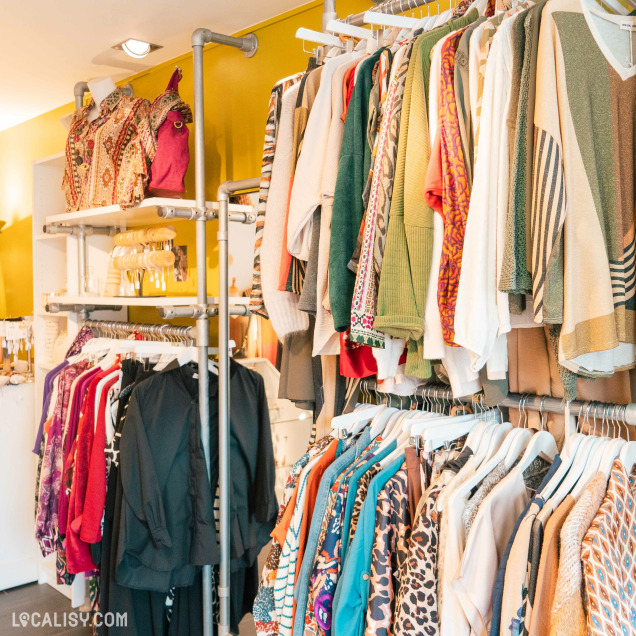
(249, 45)
(201, 311)
(624, 413)
(152, 332)
(391, 6)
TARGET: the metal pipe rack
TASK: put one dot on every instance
(392, 6)
(525, 401)
(154, 332)
(248, 44)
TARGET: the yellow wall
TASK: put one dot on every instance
(236, 95)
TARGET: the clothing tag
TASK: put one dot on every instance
(195, 376)
(628, 25)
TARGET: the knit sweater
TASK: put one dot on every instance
(282, 307)
(515, 270)
(348, 207)
(326, 338)
(305, 192)
(409, 248)
(568, 614)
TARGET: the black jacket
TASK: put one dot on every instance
(167, 526)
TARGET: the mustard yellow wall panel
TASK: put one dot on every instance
(236, 95)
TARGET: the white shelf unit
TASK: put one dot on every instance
(146, 301)
(56, 267)
(144, 214)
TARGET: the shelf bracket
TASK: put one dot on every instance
(189, 214)
(56, 308)
(198, 311)
(78, 230)
(193, 214)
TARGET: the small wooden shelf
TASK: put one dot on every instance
(146, 213)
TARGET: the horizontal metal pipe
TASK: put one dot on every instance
(531, 402)
(166, 331)
(191, 214)
(194, 311)
(395, 7)
(77, 230)
(56, 308)
(230, 187)
(248, 43)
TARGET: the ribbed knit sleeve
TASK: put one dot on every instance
(281, 306)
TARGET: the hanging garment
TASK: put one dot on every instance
(282, 306)
(348, 207)
(169, 115)
(108, 160)
(584, 283)
(607, 554)
(545, 586)
(269, 150)
(568, 613)
(265, 614)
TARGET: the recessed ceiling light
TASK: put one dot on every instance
(136, 48)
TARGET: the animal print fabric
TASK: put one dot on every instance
(389, 554)
(608, 552)
(264, 610)
(417, 603)
(269, 148)
(361, 495)
(455, 192)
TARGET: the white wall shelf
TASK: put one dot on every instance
(146, 301)
(143, 214)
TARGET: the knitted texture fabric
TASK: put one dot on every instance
(568, 613)
(281, 306)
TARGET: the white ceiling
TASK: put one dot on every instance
(46, 47)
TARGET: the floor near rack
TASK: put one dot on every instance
(23, 601)
(17, 606)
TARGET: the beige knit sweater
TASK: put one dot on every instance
(568, 613)
(281, 306)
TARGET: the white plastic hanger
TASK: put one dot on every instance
(380, 421)
(487, 466)
(356, 420)
(569, 451)
(588, 467)
(326, 39)
(378, 18)
(541, 444)
(335, 26)
(612, 449)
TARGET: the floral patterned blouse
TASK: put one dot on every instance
(108, 160)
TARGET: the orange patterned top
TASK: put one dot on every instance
(455, 192)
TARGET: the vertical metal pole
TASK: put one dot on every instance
(224, 413)
(81, 259)
(203, 334)
(328, 13)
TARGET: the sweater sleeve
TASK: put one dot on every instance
(548, 212)
(397, 312)
(138, 476)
